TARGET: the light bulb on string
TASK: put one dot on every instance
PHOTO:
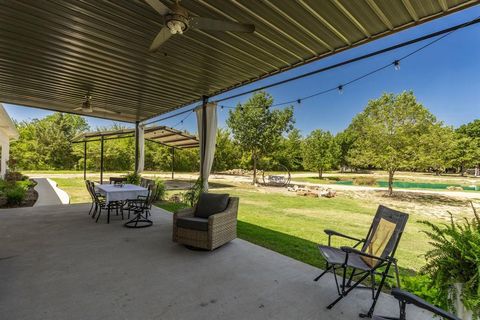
(340, 89)
(396, 65)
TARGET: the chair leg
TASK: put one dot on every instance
(369, 314)
(325, 271)
(91, 208)
(345, 293)
(99, 213)
(94, 211)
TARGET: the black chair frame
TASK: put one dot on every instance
(357, 276)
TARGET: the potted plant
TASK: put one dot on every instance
(454, 264)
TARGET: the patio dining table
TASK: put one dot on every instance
(118, 192)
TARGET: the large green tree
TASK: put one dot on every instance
(320, 151)
(435, 149)
(227, 153)
(257, 128)
(46, 143)
(344, 140)
(389, 133)
(470, 133)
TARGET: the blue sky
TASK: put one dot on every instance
(444, 77)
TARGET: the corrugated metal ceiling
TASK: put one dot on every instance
(53, 52)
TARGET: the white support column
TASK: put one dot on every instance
(5, 143)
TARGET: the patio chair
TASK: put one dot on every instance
(141, 208)
(375, 258)
(117, 180)
(405, 298)
(101, 204)
(87, 185)
(211, 223)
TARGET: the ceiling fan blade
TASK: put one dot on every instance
(161, 37)
(220, 25)
(103, 110)
(158, 6)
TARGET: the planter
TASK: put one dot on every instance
(460, 309)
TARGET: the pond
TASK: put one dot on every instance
(417, 185)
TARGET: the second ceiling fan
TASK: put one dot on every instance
(177, 20)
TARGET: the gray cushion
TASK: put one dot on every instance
(194, 223)
(211, 203)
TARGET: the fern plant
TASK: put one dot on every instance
(455, 258)
(190, 197)
(133, 178)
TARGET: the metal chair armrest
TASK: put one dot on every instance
(356, 251)
(332, 233)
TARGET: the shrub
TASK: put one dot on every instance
(133, 178)
(161, 189)
(455, 259)
(14, 176)
(190, 197)
(364, 181)
(424, 287)
(15, 195)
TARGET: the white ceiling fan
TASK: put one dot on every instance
(178, 20)
(87, 107)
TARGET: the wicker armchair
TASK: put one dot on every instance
(222, 228)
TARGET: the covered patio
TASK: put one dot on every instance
(57, 264)
(92, 58)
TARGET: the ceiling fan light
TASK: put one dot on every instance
(177, 23)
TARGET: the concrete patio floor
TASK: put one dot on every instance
(57, 263)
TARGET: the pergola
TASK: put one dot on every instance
(54, 53)
(166, 136)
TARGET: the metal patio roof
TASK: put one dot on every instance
(166, 136)
(53, 52)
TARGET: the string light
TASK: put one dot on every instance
(340, 89)
(396, 64)
(444, 33)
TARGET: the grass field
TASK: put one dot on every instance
(293, 225)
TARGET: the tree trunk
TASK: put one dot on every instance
(254, 158)
(477, 170)
(320, 173)
(462, 171)
(390, 182)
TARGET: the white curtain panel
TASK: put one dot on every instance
(211, 138)
(141, 149)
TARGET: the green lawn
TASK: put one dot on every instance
(75, 187)
(293, 225)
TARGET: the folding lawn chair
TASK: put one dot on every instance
(374, 259)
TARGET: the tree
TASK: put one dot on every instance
(344, 140)
(435, 149)
(389, 133)
(46, 143)
(227, 154)
(465, 152)
(289, 151)
(472, 131)
(256, 128)
(320, 151)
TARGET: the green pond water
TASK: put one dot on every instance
(416, 185)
